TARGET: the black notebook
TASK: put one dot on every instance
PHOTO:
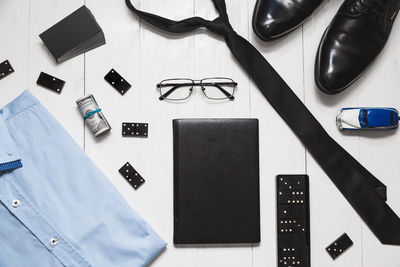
(74, 35)
(216, 181)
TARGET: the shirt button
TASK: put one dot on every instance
(16, 203)
(54, 241)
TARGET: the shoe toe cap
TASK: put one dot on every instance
(333, 71)
(341, 59)
(274, 19)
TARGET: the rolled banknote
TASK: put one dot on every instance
(93, 116)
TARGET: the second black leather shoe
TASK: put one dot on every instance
(352, 41)
(275, 18)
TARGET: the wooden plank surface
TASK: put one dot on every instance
(145, 57)
(331, 214)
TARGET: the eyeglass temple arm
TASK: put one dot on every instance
(170, 91)
(231, 97)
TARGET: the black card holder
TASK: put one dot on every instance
(75, 34)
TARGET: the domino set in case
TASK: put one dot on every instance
(293, 221)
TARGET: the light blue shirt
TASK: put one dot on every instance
(56, 207)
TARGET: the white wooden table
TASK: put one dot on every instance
(145, 57)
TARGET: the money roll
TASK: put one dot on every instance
(93, 115)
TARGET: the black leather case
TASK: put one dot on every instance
(216, 181)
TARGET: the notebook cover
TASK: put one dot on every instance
(216, 181)
(71, 33)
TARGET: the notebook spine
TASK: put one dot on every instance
(175, 127)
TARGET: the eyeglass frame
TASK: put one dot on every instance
(197, 83)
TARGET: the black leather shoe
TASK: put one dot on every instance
(275, 18)
(352, 41)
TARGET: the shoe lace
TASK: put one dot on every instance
(374, 8)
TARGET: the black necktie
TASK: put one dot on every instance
(365, 193)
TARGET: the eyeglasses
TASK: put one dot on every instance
(212, 88)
